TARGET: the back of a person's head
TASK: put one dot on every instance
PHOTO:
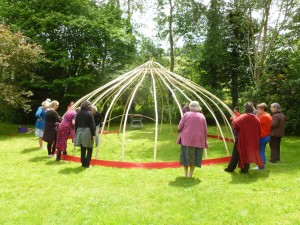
(248, 107)
(86, 105)
(54, 104)
(276, 106)
(262, 106)
(94, 108)
(236, 108)
(46, 104)
(194, 106)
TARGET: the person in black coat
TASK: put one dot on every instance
(85, 133)
(52, 120)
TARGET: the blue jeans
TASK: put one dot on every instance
(262, 149)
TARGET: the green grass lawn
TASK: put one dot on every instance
(139, 145)
(36, 189)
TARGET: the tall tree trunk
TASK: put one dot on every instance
(171, 36)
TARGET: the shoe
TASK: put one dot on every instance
(245, 172)
(50, 156)
(58, 159)
(65, 153)
(257, 168)
(272, 162)
(228, 170)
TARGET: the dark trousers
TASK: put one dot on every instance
(86, 155)
(235, 159)
(58, 154)
(275, 148)
(51, 147)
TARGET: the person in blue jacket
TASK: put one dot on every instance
(40, 122)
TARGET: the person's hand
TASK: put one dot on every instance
(94, 138)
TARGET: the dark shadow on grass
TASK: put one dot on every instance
(28, 150)
(54, 162)
(76, 170)
(251, 177)
(38, 159)
(185, 182)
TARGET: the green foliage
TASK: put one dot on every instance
(148, 50)
(84, 43)
(18, 58)
(282, 85)
(215, 51)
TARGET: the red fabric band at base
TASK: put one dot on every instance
(148, 165)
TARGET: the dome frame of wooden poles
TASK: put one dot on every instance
(160, 78)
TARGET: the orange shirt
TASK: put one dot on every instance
(265, 124)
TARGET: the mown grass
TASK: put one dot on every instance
(36, 189)
(139, 144)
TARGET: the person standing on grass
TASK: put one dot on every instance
(65, 129)
(277, 131)
(85, 133)
(52, 120)
(246, 146)
(40, 122)
(192, 138)
(97, 119)
(265, 124)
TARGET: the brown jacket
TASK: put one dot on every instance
(277, 128)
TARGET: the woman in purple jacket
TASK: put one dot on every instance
(193, 138)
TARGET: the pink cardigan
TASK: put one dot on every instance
(193, 129)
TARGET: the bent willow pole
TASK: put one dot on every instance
(162, 82)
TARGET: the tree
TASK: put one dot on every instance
(178, 20)
(281, 81)
(215, 50)
(84, 41)
(148, 51)
(18, 58)
(266, 19)
(239, 77)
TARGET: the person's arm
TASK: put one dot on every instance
(235, 126)
(92, 125)
(57, 117)
(38, 113)
(181, 124)
(205, 132)
(76, 123)
(275, 121)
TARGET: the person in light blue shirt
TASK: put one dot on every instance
(40, 122)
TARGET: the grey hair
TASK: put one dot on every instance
(45, 104)
(276, 106)
(248, 107)
(194, 106)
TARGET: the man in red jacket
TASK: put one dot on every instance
(246, 146)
